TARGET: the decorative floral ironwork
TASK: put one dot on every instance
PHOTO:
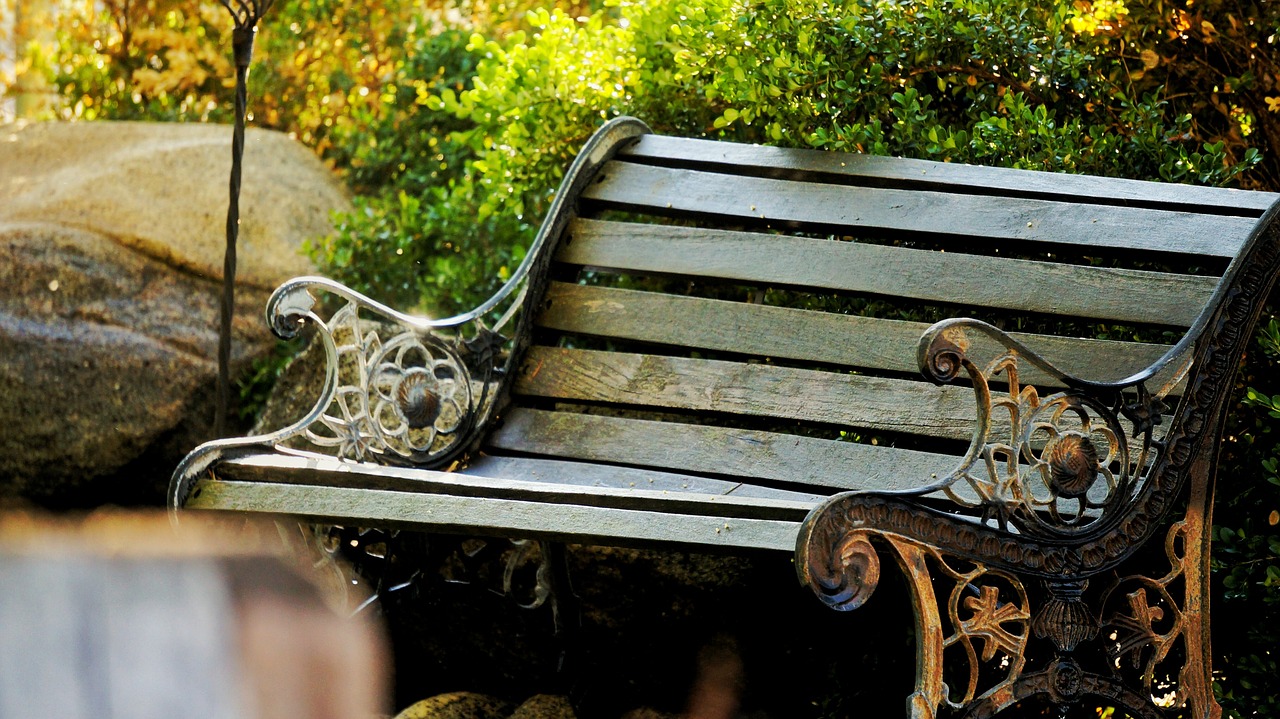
(999, 623)
(411, 398)
(988, 612)
(1143, 621)
(384, 566)
(404, 389)
(1051, 466)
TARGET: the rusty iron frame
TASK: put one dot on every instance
(1050, 511)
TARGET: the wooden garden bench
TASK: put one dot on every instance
(718, 345)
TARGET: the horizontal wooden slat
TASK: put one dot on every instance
(783, 332)
(746, 454)
(593, 474)
(936, 215)
(500, 517)
(307, 469)
(948, 277)
(756, 159)
(873, 403)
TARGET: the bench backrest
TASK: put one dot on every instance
(743, 312)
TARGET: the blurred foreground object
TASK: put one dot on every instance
(120, 615)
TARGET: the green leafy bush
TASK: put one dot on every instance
(1009, 83)
(1246, 550)
(473, 109)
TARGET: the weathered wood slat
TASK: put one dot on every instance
(748, 454)
(592, 474)
(309, 470)
(948, 277)
(499, 517)
(873, 403)
(783, 332)
(936, 215)
(777, 161)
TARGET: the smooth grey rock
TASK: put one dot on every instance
(110, 256)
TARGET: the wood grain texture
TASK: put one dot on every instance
(306, 469)
(778, 161)
(496, 517)
(595, 474)
(855, 401)
(748, 455)
(787, 333)
(1026, 223)
(946, 277)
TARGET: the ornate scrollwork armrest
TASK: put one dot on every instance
(397, 389)
(1052, 466)
(1051, 487)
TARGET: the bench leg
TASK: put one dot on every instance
(565, 609)
(990, 638)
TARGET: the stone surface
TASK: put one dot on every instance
(458, 705)
(161, 189)
(648, 713)
(110, 256)
(544, 706)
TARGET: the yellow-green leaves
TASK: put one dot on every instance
(725, 119)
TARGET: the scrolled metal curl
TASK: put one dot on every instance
(944, 365)
(942, 355)
(288, 307)
(842, 569)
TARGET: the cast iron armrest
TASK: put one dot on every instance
(1067, 459)
(1051, 448)
(397, 389)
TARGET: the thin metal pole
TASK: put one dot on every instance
(242, 43)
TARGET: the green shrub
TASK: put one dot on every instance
(1246, 550)
(1009, 83)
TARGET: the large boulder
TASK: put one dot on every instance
(111, 243)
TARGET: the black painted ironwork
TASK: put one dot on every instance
(246, 14)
